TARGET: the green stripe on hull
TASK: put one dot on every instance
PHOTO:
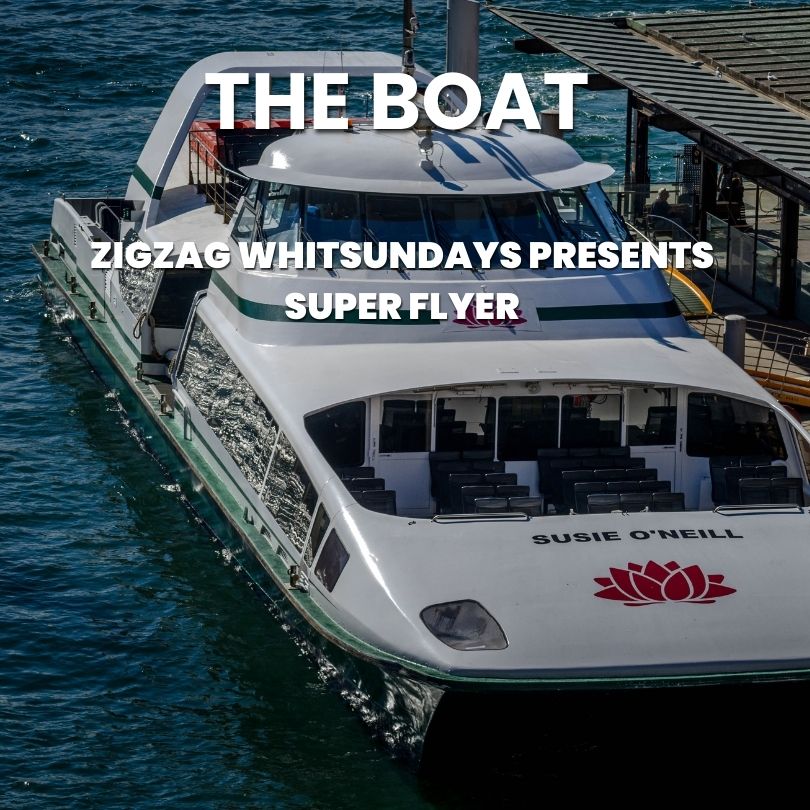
(155, 192)
(276, 312)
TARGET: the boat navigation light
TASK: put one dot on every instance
(464, 625)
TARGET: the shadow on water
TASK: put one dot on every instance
(514, 750)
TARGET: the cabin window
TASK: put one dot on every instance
(332, 216)
(461, 219)
(405, 426)
(804, 449)
(465, 423)
(392, 218)
(721, 426)
(651, 416)
(526, 425)
(522, 219)
(246, 221)
(591, 420)
(340, 433)
(229, 404)
(332, 561)
(316, 534)
(289, 493)
(281, 213)
(607, 214)
(577, 218)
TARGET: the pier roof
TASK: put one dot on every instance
(703, 74)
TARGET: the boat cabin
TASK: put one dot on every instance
(558, 448)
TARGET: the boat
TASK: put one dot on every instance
(588, 496)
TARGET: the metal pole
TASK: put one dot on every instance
(462, 37)
(734, 339)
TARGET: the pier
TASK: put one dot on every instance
(734, 89)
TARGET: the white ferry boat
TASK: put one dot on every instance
(586, 496)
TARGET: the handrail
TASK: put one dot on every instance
(217, 182)
(520, 517)
(735, 509)
(102, 206)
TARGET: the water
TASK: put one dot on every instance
(136, 666)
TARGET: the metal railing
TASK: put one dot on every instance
(777, 356)
(700, 278)
(223, 187)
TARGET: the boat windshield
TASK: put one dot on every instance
(286, 213)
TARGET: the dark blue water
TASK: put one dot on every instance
(137, 668)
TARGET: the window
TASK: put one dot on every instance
(578, 221)
(281, 213)
(246, 221)
(332, 561)
(651, 416)
(721, 426)
(526, 425)
(591, 420)
(405, 426)
(522, 219)
(607, 214)
(228, 403)
(319, 527)
(340, 433)
(394, 219)
(248, 432)
(465, 423)
(289, 493)
(461, 219)
(332, 216)
(804, 449)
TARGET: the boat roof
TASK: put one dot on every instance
(470, 161)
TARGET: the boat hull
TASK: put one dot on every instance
(413, 712)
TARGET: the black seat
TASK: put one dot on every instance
(551, 483)
(364, 484)
(489, 466)
(603, 503)
(582, 490)
(491, 505)
(622, 487)
(470, 493)
(771, 471)
(529, 505)
(654, 486)
(612, 474)
(755, 461)
(754, 490)
(477, 455)
(512, 491)
(436, 458)
(643, 474)
(451, 495)
(787, 491)
(569, 479)
(717, 469)
(733, 476)
(636, 501)
(384, 501)
(355, 472)
(500, 478)
(619, 452)
(583, 452)
(668, 502)
(634, 462)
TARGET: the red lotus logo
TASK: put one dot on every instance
(472, 322)
(654, 583)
